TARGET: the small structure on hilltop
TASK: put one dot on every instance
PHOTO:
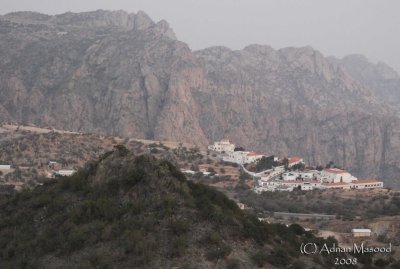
(5, 167)
(65, 172)
(361, 232)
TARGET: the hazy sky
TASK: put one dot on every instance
(334, 27)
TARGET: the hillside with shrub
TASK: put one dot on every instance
(129, 211)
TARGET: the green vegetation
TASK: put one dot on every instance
(264, 163)
(324, 202)
(134, 212)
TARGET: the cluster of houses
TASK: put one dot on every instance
(280, 179)
(329, 178)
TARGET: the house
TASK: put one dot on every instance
(5, 167)
(188, 172)
(335, 175)
(222, 146)
(251, 157)
(367, 184)
(294, 160)
(292, 183)
(361, 232)
(65, 172)
(311, 185)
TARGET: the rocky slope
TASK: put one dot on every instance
(123, 74)
(380, 78)
(107, 72)
(127, 211)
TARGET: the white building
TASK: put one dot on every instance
(337, 185)
(335, 175)
(306, 174)
(5, 167)
(188, 172)
(289, 176)
(367, 184)
(222, 146)
(242, 157)
(292, 183)
(65, 172)
(361, 232)
(252, 157)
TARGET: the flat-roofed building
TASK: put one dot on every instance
(5, 167)
(361, 232)
(65, 172)
(367, 184)
(335, 175)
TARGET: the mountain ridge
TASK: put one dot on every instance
(84, 75)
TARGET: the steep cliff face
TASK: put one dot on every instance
(107, 72)
(123, 74)
(381, 79)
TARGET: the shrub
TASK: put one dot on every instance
(260, 258)
(179, 227)
(279, 258)
(233, 264)
(179, 245)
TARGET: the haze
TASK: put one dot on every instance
(338, 28)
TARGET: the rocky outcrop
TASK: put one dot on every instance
(133, 81)
(123, 74)
(379, 78)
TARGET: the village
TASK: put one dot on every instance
(290, 173)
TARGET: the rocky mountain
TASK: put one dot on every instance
(127, 211)
(380, 78)
(123, 74)
(107, 72)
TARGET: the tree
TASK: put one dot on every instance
(265, 163)
(330, 164)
